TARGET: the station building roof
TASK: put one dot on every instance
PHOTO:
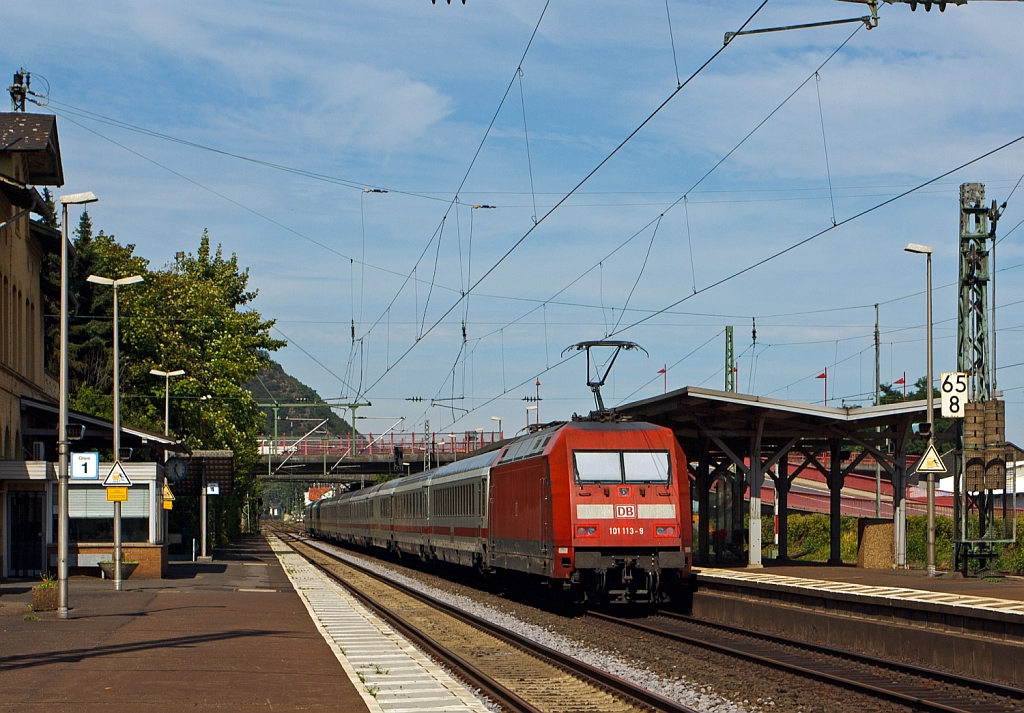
(35, 135)
(95, 425)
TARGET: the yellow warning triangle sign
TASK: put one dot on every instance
(931, 463)
(168, 495)
(117, 477)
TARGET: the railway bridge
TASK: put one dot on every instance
(351, 460)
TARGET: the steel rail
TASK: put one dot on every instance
(896, 693)
(591, 674)
(508, 700)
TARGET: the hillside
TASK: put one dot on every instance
(273, 385)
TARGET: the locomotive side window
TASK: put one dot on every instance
(597, 466)
(646, 467)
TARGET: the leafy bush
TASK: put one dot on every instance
(811, 532)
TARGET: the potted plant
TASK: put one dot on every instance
(44, 595)
(127, 567)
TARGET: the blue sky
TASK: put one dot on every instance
(399, 97)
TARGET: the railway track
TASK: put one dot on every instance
(513, 671)
(918, 687)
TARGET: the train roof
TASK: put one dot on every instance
(483, 460)
(524, 446)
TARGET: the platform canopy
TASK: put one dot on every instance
(742, 438)
(694, 412)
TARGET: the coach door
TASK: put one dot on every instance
(545, 511)
(26, 529)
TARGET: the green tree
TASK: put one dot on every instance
(194, 314)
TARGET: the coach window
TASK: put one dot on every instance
(646, 467)
(597, 466)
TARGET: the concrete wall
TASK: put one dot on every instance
(83, 558)
(985, 648)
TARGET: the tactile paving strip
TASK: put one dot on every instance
(390, 673)
(1005, 606)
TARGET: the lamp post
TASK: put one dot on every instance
(167, 413)
(501, 435)
(120, 282)
(927, 252)
(202, 486)
(63, 475)
(167, 394)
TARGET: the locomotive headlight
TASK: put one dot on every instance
(665, 531)
(586, 531)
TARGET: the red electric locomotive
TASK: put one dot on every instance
(598, 508)
(601, 507)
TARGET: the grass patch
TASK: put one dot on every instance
(810, 532)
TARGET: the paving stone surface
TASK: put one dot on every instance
(229, 635)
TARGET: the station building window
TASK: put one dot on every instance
(91, 517)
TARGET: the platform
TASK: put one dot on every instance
(229, 635)
(400, 678)
(971, 626)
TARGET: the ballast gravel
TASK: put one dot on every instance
(678, 689)
(702, 679)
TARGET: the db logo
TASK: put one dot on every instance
(625, 511)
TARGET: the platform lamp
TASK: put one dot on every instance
(927, 251)
(120, 282)
(167, 406)
(63, 476)
(501, 435)
(202, 485)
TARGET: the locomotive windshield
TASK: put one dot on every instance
(599, 467)
(648, 467)
(621, 467)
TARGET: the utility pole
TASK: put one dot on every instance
(878, 400)
(730, 363)
(20, 89)
(427, 444)
(980, 472)
(972, 327)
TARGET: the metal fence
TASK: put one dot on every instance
(368, 444)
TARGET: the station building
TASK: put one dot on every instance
(30, 157)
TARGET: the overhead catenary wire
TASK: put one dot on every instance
(805, 241)
(232, 201)
(298, 346)
(117, 123)
(689, 242)
(526, 133)
(684, 198)
(672, 39)
(568, 195)
(824, 143)
(622, 310)
(465, 177)
(643, 267)
(673, 366)
(832, 55)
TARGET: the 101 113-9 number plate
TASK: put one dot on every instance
(625, 530)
